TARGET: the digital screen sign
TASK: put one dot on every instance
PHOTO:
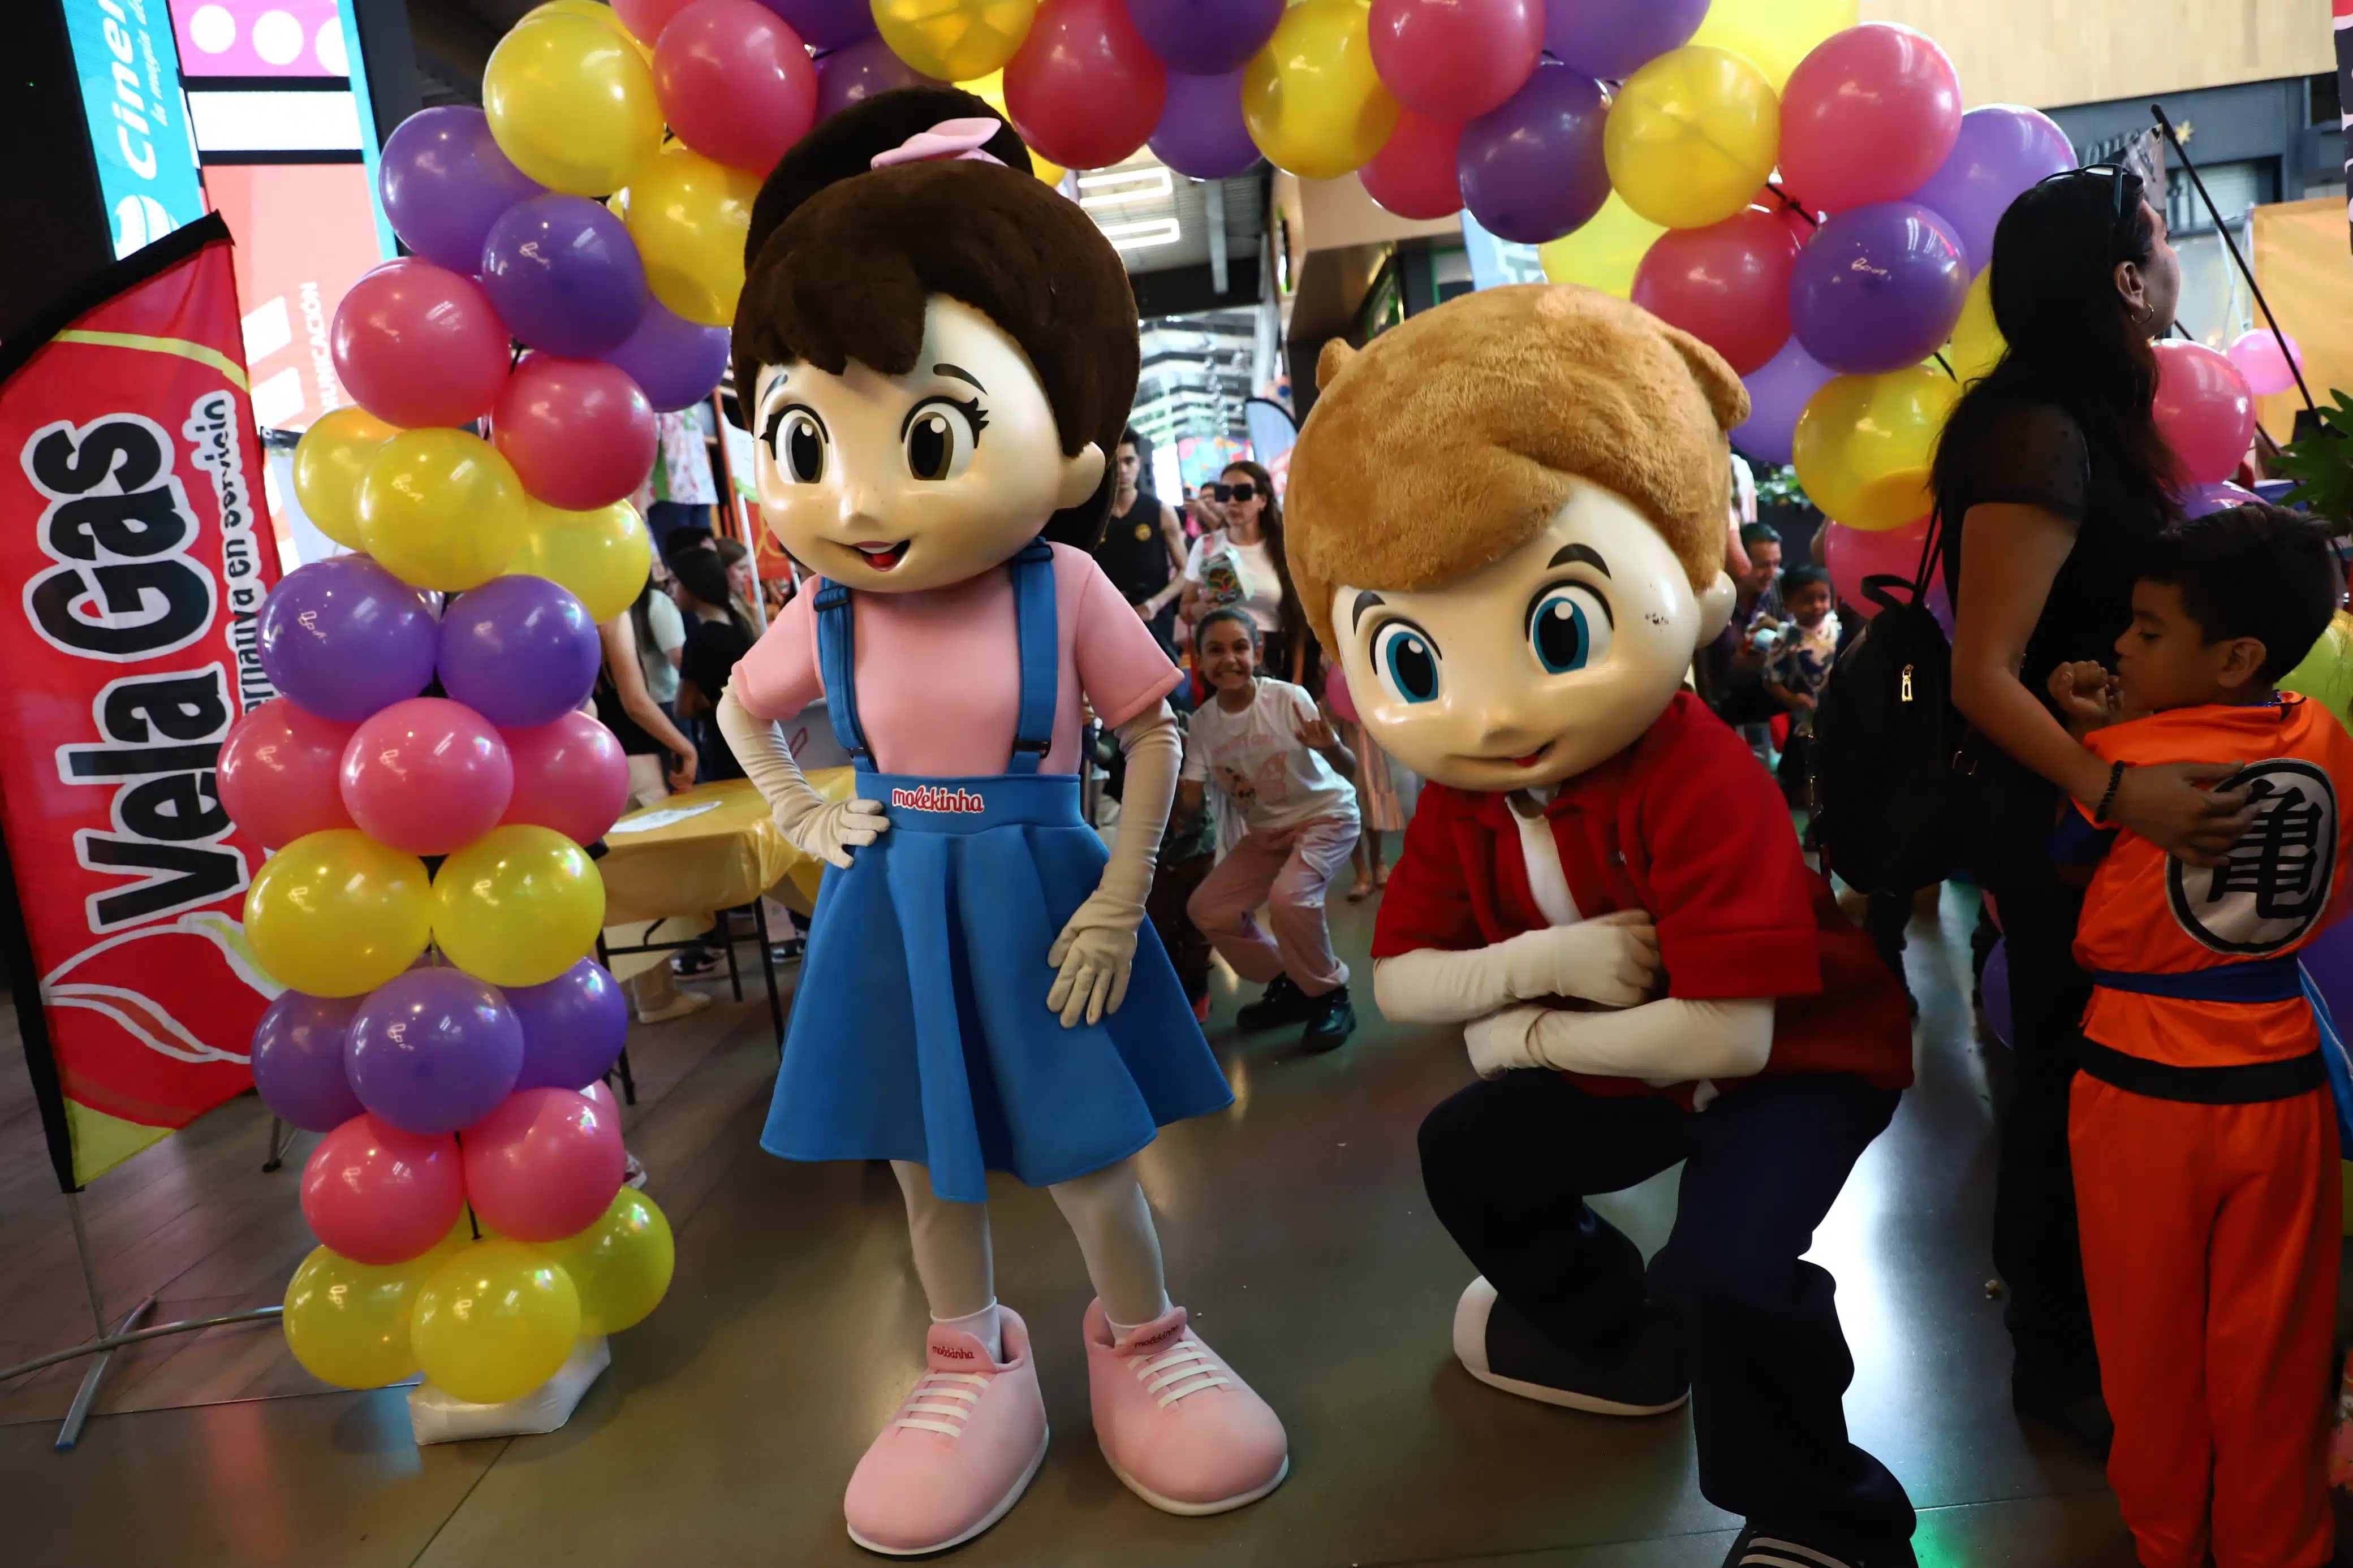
(139, 128)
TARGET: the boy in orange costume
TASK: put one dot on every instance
(2205, 1144)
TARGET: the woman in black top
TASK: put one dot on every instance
(719, 631)
(2053, 480)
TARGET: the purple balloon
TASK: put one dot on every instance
(1776, 395)
(860, 70)
(2002, 151)
(2328, 958)
(1878, 287)
(433, 1050)
(674, 362)
(444, 182)
(519, 650)
(826, 23)
(1201, 132)
(298, 1060)
(343, 637)
(1615, 38)
(1204, 38)
(1993, 992)
(565, 275)
(1532, 170)
(572, 1028)
(2199, 499)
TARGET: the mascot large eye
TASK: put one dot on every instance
(1568, 626)
(797, 438)
(939, 437)
(1407, 661)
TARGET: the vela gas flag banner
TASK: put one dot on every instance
(134, 555)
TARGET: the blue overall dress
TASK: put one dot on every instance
(921, 1031)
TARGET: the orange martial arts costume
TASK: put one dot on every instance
(2206, 1150)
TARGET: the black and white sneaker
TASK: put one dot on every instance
(1757, 1547)
(1283, 1002)
(1648, 1375)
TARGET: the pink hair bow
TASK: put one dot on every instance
(952, 140)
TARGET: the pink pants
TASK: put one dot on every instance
(1288, 869)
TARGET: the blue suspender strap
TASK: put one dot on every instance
(2259, 980)
(1041, 657)
(837, 665)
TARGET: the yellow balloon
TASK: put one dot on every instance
(621, 1264)
(1310, 99)
(596, 11)
(1977, 344)
(328, 462)
(337, 914)
(518, 906)
(348, 1323)
(571, 103)
(1605, 252)
(495, 1321)
(990, 90)
(442, 510)
(601, 556)
(954, 40)
(1864, 443)
(689, 217)
(1692, 137)
(1774, 35)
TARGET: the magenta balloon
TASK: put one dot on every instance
(433, 1050)
(343, 637)
(1614, 39)
(1868, 116)
(2199, 499)
(444, 182)
(420, 345)
(858, 71)
(1205, 37)
(826, 23)
(1533, 170)
(1201, 132)
(579, 433)
(675, 363)
(1456, 59)
(572, 1028)
(1856, 555)
(379, 1196)
(520, 651)
(2203, 410)
(2001, 153)
(544, 1164)
(298, 1060)
(1878, 287)
(570, 776)
(426, 776)
(565, 275)
(278, 774)
(1777, 396)
(2268, 370)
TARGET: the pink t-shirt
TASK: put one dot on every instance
(939, 673)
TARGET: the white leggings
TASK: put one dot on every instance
(1106, 1211)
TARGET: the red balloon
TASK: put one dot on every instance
(544, 1165)
(2204, 410)
(1728, 285)
(379, 1196)
(426, 776)
(1456, 59)
(647, 18)
(736, 83)
(1855, 554)
(569, 775)
(278, 774)
(1083, 89)
(578, 431)
(1869, 116)
(1413, 173)
(418, 345)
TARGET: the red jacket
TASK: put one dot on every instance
(1684, 824)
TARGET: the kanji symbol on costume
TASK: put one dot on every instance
(2275, 881)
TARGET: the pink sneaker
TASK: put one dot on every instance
(1175, 1422)
(960, 1452)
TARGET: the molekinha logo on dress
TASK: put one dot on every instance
(931, 797)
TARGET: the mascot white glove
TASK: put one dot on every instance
(825, 830)
(1095, 954)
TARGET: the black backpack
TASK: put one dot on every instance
(1892, 756)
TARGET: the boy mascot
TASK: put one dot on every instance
(1507, 521)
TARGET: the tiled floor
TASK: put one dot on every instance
(1295, 1229)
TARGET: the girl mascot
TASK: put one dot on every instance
(936, 353)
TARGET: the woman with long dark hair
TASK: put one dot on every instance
(1242, 564)
(2052, 480)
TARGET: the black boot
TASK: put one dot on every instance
(1283, 1002)
(1334, 1021)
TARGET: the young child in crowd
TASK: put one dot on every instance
(2205, 1143)
(1264, 743)
(1798, 661)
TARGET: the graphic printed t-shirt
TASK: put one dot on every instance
(1256, 757)
(1231, 574)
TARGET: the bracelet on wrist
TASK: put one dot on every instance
(2108, 797)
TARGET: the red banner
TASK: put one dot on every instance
(135, 549)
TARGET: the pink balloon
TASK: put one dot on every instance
(1413, 174)
(420, 345)
(1456, 59)
(579, 433)
(278, 774)
(647, 18)
(1728, 285)
(426, 776)
(544, 1165)
(379, 1196)
(1855, 554)
(736, 83)
(569, 775)
(2257, 356)
(1869, 116)
(2204, 410)
(601, 1097)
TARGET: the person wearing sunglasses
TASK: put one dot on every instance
(1240, 563)
(2053, 481)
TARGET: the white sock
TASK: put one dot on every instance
(1120, 1332)
(983, 1325)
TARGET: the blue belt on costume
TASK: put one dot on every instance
(2257, 979)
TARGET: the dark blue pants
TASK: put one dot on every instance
(1509, 1163)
